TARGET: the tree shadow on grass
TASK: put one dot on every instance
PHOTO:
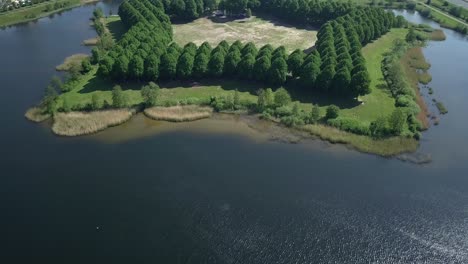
(317, 97)
(101, 84)
(117, 29)
(225, 84)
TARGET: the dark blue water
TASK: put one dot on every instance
(188, 197)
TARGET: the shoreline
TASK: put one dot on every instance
(42, 14)
(75, 124)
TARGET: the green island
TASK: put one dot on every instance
(343, 71)
(14, 12)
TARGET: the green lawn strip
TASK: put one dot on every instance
(90, 84)
(29, 13)
(379, 102)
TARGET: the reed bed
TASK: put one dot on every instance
(179, 113)
(36, 114)
(83, 123)
(384, 147)
(91, 42)
(70, 61)
(438, 35)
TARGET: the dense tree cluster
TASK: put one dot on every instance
(336, 65)
(315, 12)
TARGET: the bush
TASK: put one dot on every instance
(292, 120)
(332, 112)
(349, 125)
(282, 97)
(283, 111)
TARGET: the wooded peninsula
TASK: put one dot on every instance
(342, 71)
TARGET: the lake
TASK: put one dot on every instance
(187, 194)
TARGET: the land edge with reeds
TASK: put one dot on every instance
(388, 147)
(178, 113)
(46, 14)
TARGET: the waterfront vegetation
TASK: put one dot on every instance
(34, 10)
(337, 91)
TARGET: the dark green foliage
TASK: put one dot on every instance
(411, 36)
(168, 66)
(152, 67)
(231, 61)
(246, 66)
(315, 114)
(282, 97)
(261, 68)
(86, 65)
(397, 121)
(200, 65)
(278, 71)
(360, 83)
(295, 60)
(185, 65)
(136, 67)
(216, 64)
(379, 127)
(332, 112)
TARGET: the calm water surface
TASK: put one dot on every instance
(189, 196)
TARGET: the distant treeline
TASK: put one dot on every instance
(145, 52)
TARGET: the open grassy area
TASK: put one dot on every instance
(379, 102)
(29, 13)
(171, 93)
(255, 29)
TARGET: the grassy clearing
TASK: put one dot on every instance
(70, 61)
(385, 147)
(80, 123)
(179, 113)
(171, 93)
(36, 114)
(36, 11)
(257, 30)
(379, 102)
(415, 67)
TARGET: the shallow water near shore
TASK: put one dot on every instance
(216, 190)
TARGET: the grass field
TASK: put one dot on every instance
(257, 30)
(379, 102)
(29, 13)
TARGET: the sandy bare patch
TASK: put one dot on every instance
(256, 30)
(82, 123)
(179, 113)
